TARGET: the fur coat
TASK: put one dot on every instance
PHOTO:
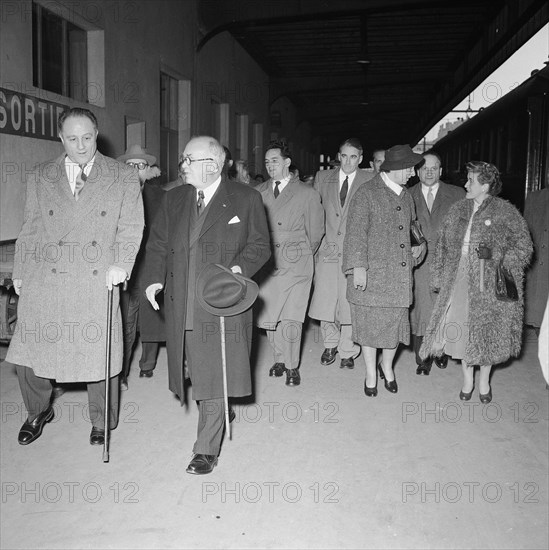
(495, 327)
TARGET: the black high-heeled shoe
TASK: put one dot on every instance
(380, 371)
(486, 397)
(465, 396)
(391, 386)
(370, 392)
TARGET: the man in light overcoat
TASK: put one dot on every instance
(82, 229)
(296, 225)
(209, 220)
(433, 199)
(329, 302)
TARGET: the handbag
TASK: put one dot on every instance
(417, 237)
(506, 289)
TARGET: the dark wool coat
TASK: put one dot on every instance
(495, 327)
(537, 277)
(378, 238)
(296, 224)
(424, 297)
(244, 242)
(330, 283)
(62, 255)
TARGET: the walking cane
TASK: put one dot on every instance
(107, 377)
(224, 363)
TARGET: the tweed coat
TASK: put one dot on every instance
(296, 225)
(537, 277)
(62, 255)
(244, 243)
(495, 327)
(424, 298)
(330, 283)
(378, 238)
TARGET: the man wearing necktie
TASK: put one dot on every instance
(211, 220)
(81, 232)
(296, 223)
(433, 199)
(329, 302)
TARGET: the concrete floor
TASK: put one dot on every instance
(317, 466)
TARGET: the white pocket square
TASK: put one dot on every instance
(236, 219)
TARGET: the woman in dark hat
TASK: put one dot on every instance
(378, 259)
(468, 321)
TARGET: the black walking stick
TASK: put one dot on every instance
(107, 377)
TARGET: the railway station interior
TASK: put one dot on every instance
(319, 464)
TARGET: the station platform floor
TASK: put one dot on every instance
(315, 466)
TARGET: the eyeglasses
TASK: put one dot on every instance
(188, 160)
(138, 165)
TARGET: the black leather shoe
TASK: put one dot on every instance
(202, 464)
(278, 369)
(97, 436)
(58, 391)
(380, 371)
(441, 362)
(424, 369)
(293, 378)
(370, 392)
(465, 396)
(232, 414)
(146, 373)
(391, 386)
(33, 430)
(328, 356)
(486, 397)
(123, 383)
(347, 363)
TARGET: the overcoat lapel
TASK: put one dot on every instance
(217, 208)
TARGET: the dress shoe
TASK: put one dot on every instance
(380, 371)
(486, 397)
(202, 464)
(347, 363)
(328, 356)
(278, 369)
(123, 383)
(58, 391)
(97, 436)
(441, 362)
(370, 392)
(232, 414)
(391, 386)
(146, 373)
(33, 430)
(293, 378)
(465, 396)
(424, 368)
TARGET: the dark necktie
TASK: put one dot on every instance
(343, 192)
(200, 203)
(80, 181)
(430, 199)
(276, 189)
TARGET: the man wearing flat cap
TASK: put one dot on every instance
(211, 220)
(134, 306)
(378, 258)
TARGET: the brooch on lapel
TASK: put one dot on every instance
(488, 222)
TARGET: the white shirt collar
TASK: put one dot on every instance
(209, 192)
(343, 175)
(73, 169)
(390, 183)
(434, 188)
(283, 183)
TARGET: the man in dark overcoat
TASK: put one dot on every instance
(433, 199)
(536, 214)
(82, 228)
(329, 302)
(296, 223)
(209, 220)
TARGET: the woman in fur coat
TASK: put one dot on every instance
(468, 322)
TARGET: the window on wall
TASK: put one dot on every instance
(169, 127)
(60, 54)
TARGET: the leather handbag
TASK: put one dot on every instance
(416, 234)
(506, 289)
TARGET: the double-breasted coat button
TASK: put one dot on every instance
(279, 223)
(277, 245)
(339, 232)
(54, 270)
(399, 208)
(50, 212)
(401, 227)
(60, 243)
(403, 264)
(103, 213)
(94, 243)
(94, 271)
(401, 246)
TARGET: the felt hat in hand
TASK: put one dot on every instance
(224, 293)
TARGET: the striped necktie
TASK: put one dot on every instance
(80, 181)
(430, 199)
